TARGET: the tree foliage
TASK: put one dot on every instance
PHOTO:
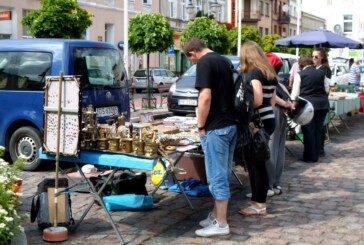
(58, 19)
(149, 33)
(247, 33)
(268, 43)
(214, 35)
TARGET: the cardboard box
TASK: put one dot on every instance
(194, 165)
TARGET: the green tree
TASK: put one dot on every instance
(149, 33)
(268, 43)
(214, 35)
(247, 33)
(58, 19)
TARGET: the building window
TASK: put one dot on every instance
(110, 2)
(348, 23)
(266, 31)
(261, 31)
(266, 10)
(275, 29)
(25, 32)
(261, 8)
(184, 15)
(172, 8)
(147, 2)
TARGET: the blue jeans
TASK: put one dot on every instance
(218, 146)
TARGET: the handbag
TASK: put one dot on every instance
(259, 146)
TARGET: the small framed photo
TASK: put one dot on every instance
(146, 117)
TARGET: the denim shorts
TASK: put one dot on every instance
(218, 146)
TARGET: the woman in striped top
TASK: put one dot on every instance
(255, 64)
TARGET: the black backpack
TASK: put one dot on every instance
(40, 209)
(243, 100)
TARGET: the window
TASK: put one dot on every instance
(24, 70)
(25, 28)
(147, 2)
(348, 23)
(172, 8)
(261, 31)
(261, 8)
(266, 31)
(267, 10)
(184, 15)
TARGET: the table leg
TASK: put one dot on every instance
(97, 198)
(170, 171)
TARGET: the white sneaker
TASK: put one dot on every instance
(270, 193)
(277, 190)
(213, 230)
(208, 221)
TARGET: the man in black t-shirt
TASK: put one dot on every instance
(216, 127)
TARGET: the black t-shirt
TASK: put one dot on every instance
(214, 71)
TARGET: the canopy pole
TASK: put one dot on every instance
(299, 2)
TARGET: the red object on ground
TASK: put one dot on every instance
(362, 102)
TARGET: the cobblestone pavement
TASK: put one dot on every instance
(322, 203)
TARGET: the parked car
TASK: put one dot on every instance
(361, 67)
(340, 74)
(288, 60)
(158, 76)
(182, 97)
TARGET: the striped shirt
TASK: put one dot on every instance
(265, 110)
(354, 71)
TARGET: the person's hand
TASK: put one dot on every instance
(202, 132)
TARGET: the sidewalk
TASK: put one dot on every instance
(322, 203)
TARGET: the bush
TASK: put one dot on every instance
(10, 197)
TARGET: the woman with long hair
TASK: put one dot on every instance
(264, 79)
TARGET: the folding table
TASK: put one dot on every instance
(116, 160)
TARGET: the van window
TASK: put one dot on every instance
(24, 70)
(99, 67)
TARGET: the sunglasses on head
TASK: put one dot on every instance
(315, 56)
(188, 54)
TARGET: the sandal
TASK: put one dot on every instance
(251, 210)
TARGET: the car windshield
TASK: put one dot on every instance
(140, 73)
(191, 72)
(99, 67)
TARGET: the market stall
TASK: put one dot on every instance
(342, 103)
(74, 134)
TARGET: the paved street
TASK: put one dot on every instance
(322, 203)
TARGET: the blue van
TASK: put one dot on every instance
(24, 65)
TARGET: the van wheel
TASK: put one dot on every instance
(26, 141)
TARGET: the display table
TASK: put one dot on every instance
(117, 161)
(339, 107)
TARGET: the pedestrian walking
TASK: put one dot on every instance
(216, 127)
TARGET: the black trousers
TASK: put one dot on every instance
(258, 181)
(313, 136)
(258, 176)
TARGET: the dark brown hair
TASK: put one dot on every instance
(193, 44)
(323, 53)
(304, 60)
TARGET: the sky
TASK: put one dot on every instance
(315, 7)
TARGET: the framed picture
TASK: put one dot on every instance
(146, 117)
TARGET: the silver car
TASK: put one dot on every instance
(158, 76)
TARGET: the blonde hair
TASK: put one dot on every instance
(252, 56)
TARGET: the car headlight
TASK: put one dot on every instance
(172, 89)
